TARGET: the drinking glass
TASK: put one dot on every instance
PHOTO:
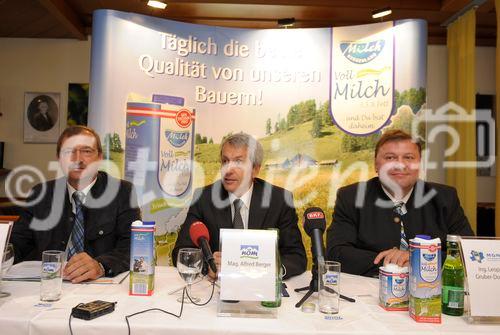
(189, 264)
(51, 276)
(7, 261)
(329, 287)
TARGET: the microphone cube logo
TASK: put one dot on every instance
(249, 251)
(315, 215)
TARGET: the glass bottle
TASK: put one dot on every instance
(452, 302)
(277, 302)
(279, 275)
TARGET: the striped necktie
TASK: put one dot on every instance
(237, 220)
(78, 232)
(400, 209)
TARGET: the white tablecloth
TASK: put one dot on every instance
(22, 312)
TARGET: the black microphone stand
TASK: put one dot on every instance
(313, 285)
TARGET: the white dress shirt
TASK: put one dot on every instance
(245, 207)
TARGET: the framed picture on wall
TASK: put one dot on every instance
(41, 117)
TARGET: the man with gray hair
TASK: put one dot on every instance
(241, 200)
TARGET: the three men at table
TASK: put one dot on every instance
(241, 200)
(372, 220)
(365, 232)
(86, 213)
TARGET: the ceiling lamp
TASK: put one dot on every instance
(378, 13)
(287, 22)
(157, 4)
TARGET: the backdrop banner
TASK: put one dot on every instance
(163, 94)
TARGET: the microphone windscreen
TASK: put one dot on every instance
(198, 230)
(314, 218)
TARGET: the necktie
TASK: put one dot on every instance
(400, 209)
(237, 220)
(77, 233)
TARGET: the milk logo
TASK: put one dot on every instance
(476, 256)
(429, 270)
(429, 257)
(493, 256)
(362, 52)
(50, 267)
(249, 251)
(331, 279)
(177, 138)
(140, 237)
(399, 285)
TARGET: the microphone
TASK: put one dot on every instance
(314, 226)
(200, 237)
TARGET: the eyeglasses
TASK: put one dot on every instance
(85, 152)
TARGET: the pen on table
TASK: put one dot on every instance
(347, 298)
(101, 281)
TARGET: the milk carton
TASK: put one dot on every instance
(142, 262)
(159, 158)
(425, 279)
(393, 292)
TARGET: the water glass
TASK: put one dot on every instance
(51, 275)
(329, 287)
(189, 265)
(7, 261)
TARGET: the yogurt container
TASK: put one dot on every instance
(393, 289)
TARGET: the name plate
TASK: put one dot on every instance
(248, 264)
(482, 265)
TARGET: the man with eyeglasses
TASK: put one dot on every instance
(243, 201)
(86, 213)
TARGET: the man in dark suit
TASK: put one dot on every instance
(374, 220)
(86, 213)
(240, 200)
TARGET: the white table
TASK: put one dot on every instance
(22, 313)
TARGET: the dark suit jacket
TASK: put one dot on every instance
(276, 212)
(47, 224)
(358, 234)
(42, 123)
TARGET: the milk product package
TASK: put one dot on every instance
(425, 279)
(393, 289)
(142, 260)
(161, 135)
(158, 160)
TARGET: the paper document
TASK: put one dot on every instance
(24, 271)
(30, 271)
(118, 279)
